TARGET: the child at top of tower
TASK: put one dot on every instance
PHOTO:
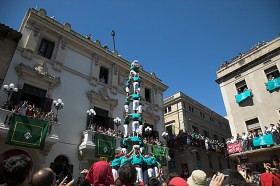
(134, 69)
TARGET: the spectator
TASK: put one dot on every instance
(153, 181)
(100, 173)
(127, 174)
(44, 177)
(178, 181)
(17, 170)
(197, 178)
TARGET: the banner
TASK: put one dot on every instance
(105, 146)
(160, 154)
(234, 147)
(273, 84)
(27, 132)
(242, 96)
(263, 140)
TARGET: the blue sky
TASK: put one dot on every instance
(182, 41)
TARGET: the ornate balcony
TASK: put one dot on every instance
(52, 133)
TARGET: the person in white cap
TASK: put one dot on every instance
(197, 178)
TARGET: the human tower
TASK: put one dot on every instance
(144, 164)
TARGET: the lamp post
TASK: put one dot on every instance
(148, 130)
(164, 135)
(91, 114)
(9, 89)
(58, 105)
(113, 35)
(117, 122)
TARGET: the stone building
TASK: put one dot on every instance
(184, 114)
(250, 88)
(9, 39)
(53, 62)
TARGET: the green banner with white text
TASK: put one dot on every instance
(105, 146)
(160, 154)
(27, 132)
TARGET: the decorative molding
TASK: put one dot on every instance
(63, 42)
(27, 53)
(36, 29)
(26, 72)
(58, 66)
(114, 90)
(67, 27)
(102, 96)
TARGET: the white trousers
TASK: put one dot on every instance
(139, 174)
(135, 126)
(127, 90)
(125, 126)
(135, 104)
(136, 87)
(139, 130)
(150, 172)
(156, 171)
(115, 174)
(140, 109)
(126, 108)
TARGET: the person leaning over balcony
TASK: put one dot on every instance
(17, 170)
(275, 133)
(245, 141)
(23, 109)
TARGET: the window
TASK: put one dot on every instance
(190, 108)
(103, 75)
(169, 109)
(202, 115)
(206, 133)
(210, 162)
(241, 86)
(272, 73)
(169, 130)
(148, 95)
(253, 124)
(46, 48)
(212, 119)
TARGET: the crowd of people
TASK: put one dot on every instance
(246, 139)
(255, 47)
(25, 109)
(196, 140)
(17, 171)
(111, 132)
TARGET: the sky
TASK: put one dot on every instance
(182, 41)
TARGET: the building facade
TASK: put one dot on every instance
(250, 90)
(184, 115)
(53, 62)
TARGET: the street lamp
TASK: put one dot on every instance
(164, 135)
(58, 105)
(9, 89)
(148, 130)
(91, 114)
(113, 35)
(117, 122)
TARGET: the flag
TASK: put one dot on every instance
(27, 132)
(242, 96)
(263, 140)
(105, 146)
(160, 154)
(273, 84)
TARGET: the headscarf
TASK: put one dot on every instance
(100, 174)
